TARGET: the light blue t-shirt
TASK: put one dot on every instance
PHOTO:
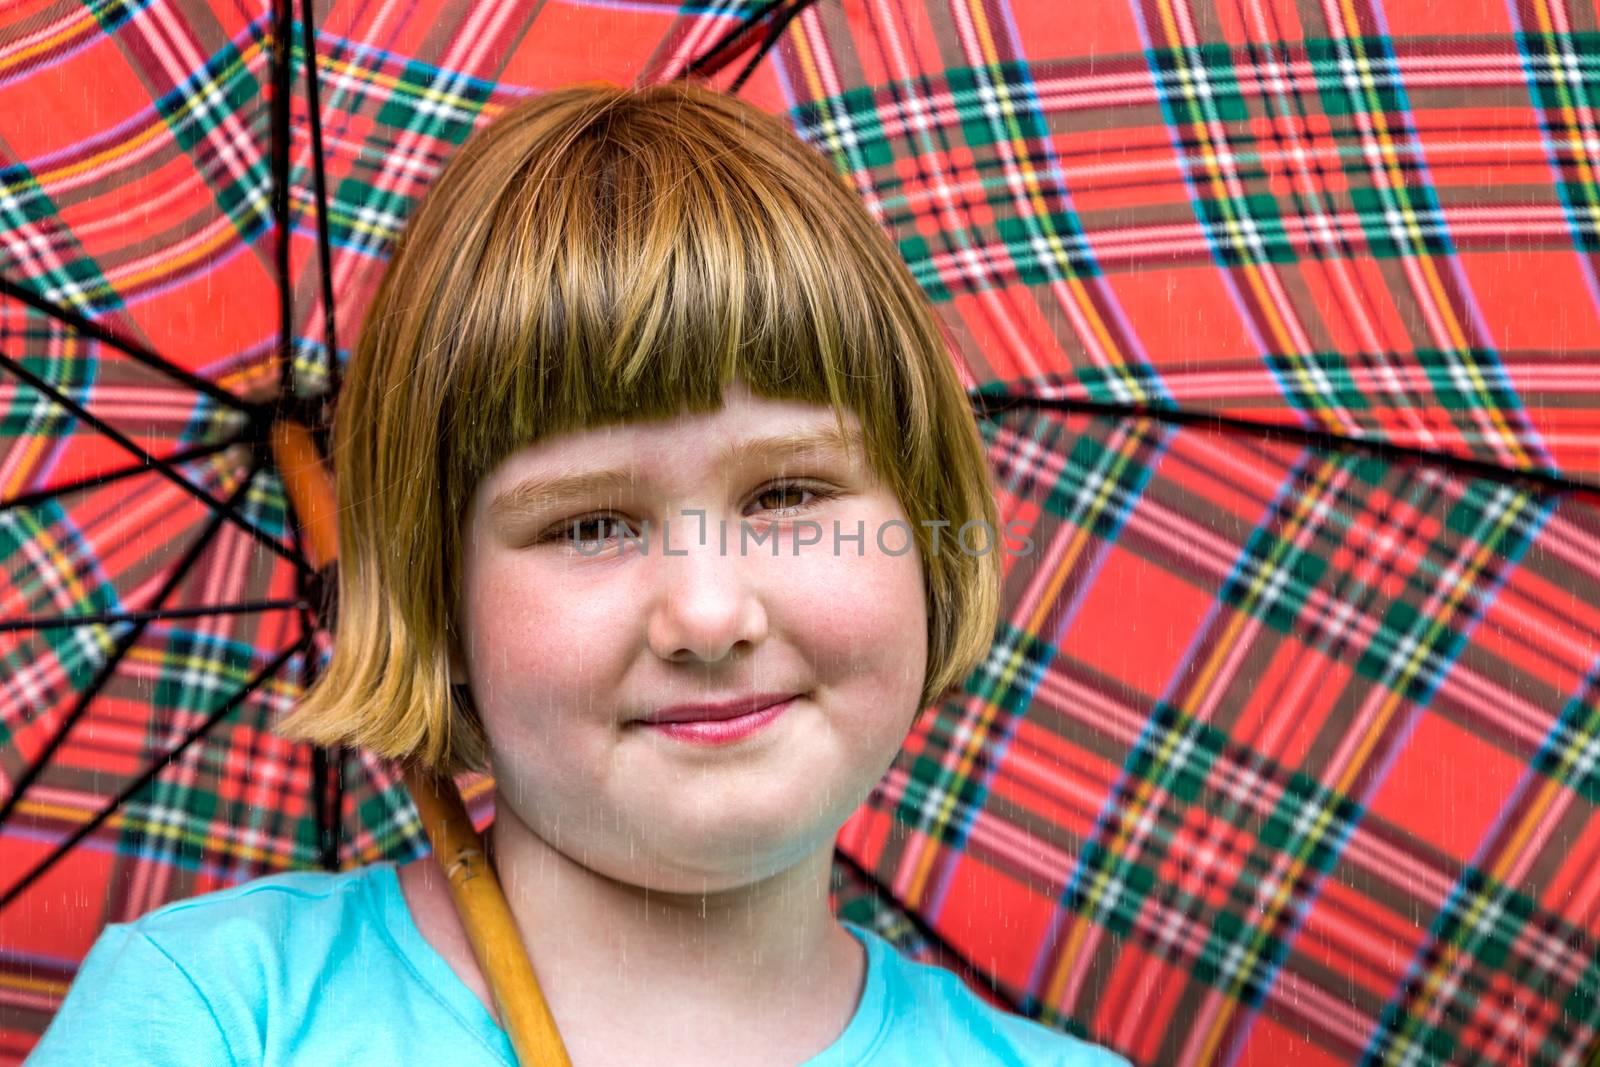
(329, 968)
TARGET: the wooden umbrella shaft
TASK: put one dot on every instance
(474, 888)
(496, 941)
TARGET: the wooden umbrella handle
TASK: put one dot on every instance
(479, 901)
(491, 928)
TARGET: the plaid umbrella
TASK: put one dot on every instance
(1282, 321)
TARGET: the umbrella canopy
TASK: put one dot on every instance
(1282, 320)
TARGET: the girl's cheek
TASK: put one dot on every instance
(542, 640)
(864, 614)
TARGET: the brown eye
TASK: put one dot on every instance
(778, 492)
(781, 498)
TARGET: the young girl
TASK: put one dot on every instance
(642, 462)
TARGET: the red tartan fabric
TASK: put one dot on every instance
(1286, 750)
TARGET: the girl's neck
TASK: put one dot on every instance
(759, 974)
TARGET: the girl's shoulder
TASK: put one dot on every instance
(308, 966)
(271, 921)
(269, 900)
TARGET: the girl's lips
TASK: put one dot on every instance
(721, 731)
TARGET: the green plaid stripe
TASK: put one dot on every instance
(62, 274)
(226, 88)
(1561, 68)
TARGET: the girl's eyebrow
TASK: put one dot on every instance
(822, 442)
(544, 490)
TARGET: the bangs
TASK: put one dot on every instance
(639, 270)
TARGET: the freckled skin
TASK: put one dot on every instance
(562, 649)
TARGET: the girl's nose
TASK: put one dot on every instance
(703, 604)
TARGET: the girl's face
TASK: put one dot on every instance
(572, 635)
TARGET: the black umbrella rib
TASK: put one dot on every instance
(282, 81)
(124, 643)
(133, 788)
(163, 467)
(989, 404)
(94, 481)
(929, 934)
(319, 181)
(282, 77)
(779, 24)
(327, 778)
(105, 335)
(711, 60)
(327, 798)
(112, 618)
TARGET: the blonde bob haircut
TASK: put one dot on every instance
(599, 255)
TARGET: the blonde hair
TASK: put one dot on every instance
(600, 254)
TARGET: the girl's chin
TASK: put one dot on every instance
(689, 845)
(701, 870)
